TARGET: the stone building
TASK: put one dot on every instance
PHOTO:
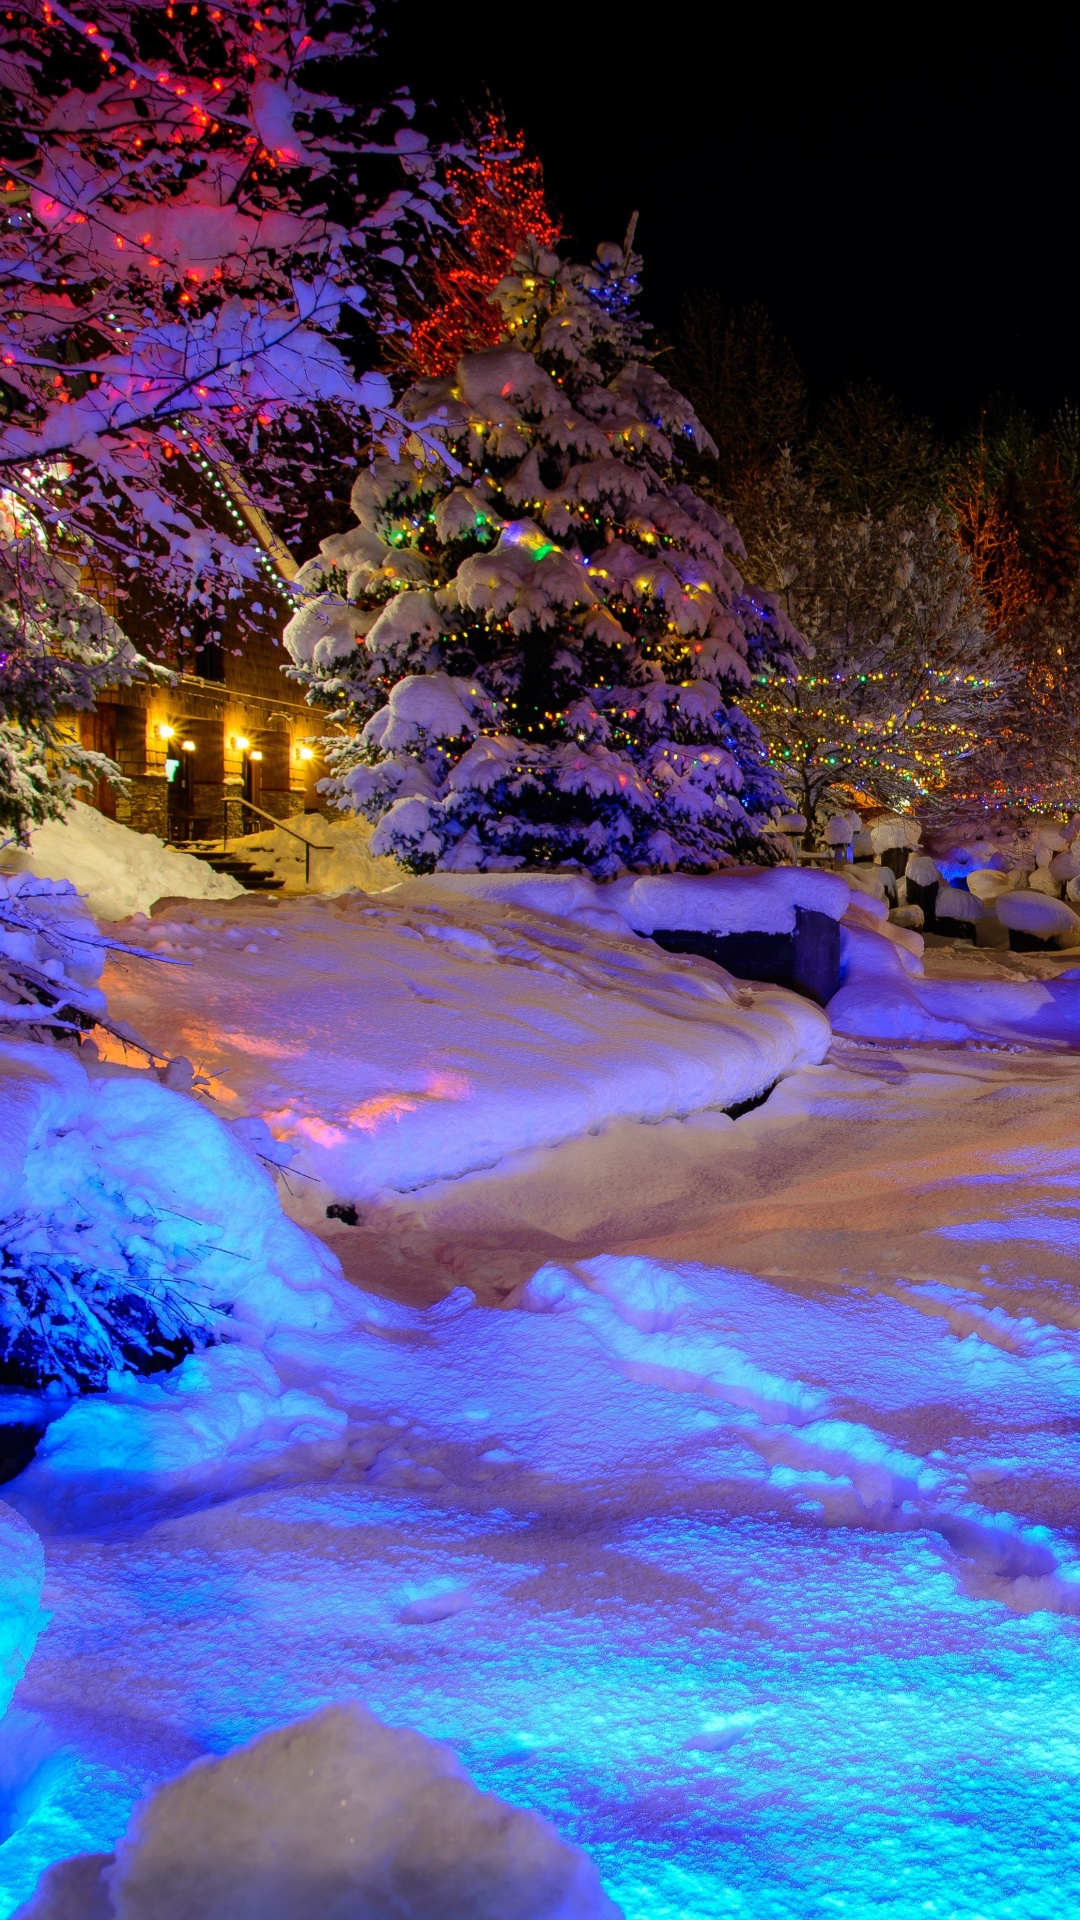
(193, 752)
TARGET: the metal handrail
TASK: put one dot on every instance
(309, 846)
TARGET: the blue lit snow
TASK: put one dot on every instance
(763, 1586)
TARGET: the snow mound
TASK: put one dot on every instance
(22, 1575)
(118, 871)
(336, 1818)
(340, 858)
(225, 1401)
(426, 1033)
(741, 900)
(132, 1215)
(885, 996)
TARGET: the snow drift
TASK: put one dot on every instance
(337, 1818)
(120, 872)
(393, 1041)
(22, 1574)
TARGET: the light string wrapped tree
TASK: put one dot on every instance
(58, 648)
(199, 231)
(539, 658)
(902, 686)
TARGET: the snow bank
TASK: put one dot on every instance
(340, 857)
(425, 1034)
(22, 1575)
(336, 1816)
(740, 900)
(138, 1202)
(120, 872)
(886, 996)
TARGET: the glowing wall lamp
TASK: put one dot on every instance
(166, 733)
(240, 743)
(187, 746)
(255, 754)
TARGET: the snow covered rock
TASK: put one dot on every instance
(335, 1818)
(870, 879)
(1044, 880)
(22, 1575)
(986, 883)
(742, 900)
(738, 900)
(957, 912)
(118, 871)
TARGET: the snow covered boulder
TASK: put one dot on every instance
(118, 871)
(22, 1574)
(336, 1818)
(1035, 921)
(776, 924)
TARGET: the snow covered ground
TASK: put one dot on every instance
(741, 1542)
(389, 1044)
(743, 1549)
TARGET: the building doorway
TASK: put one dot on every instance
(97, 730)
(253, 767)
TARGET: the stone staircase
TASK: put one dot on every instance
(250, 875)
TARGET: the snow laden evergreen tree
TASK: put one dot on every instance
(537, 645)
(202, 222)
(58, 647)
(902, 688)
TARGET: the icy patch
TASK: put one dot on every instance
(339, 1815)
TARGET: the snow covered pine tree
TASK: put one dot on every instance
(542, 649)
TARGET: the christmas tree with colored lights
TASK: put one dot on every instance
(495, 196)
(537, 643)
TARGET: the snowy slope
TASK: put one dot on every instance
(120, 872)
(339, 859)
(394, 1045)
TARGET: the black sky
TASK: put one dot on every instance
(899, 188)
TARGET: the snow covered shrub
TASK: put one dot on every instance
(539, 643)
(89, 1282)
(337, 1815)
(135, 1226)
(51, 957)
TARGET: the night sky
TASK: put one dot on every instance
(903, 201)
